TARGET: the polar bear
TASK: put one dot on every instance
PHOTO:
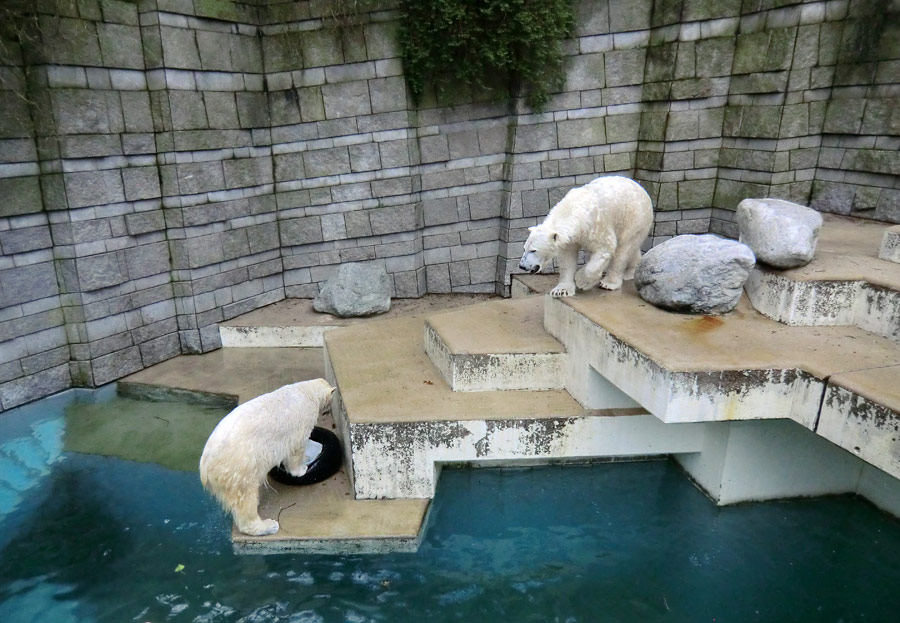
(609, 218)
(255, 437)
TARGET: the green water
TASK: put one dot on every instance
(89, 536)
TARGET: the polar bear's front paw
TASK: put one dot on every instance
(297, 472)
(260, 527)
(563, 289)
(611, 284)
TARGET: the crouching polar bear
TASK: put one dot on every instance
(609, 218)
(254, 438)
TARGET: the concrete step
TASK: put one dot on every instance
(740, 366)
(846, 284)
(890, 245)
(320, 518)
(500, 345)
(524, 284)
(861, 413)
(325, 518)
(293, 323)
(401, 421)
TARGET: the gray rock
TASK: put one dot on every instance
(697, 274)
(780, 233)
(355, 290)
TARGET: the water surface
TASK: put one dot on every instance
(93, 531)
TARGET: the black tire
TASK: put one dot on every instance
(323, 466)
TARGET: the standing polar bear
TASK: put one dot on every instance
(609, 218)
(255, 437)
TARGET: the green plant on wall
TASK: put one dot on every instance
(511, 44)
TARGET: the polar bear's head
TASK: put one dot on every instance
(540, 248)
(319, 392)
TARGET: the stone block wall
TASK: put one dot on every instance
(169, 164)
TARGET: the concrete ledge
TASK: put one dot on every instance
(848, 283)
(148, 391)
(500, 345)
(325, 519)
(402, 459)
(273, 337)
(890, 245)
(825, 303)
(524, 284)
(402, 421)
(294, 323)
(866, 426)
(699, 392)
(740, 366)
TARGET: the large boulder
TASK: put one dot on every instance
(701, 274)
(355, 290)
(781, 234)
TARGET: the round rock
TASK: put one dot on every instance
(781, 234)
(701, 274)
(355, 290)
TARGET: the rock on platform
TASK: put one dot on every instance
(696, 274)
(780, 233)
(356, 289)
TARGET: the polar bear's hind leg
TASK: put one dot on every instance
(590, 274)
(632, 264)
(617, 268)
(248, 520)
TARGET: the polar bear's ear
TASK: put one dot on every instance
(532, 228)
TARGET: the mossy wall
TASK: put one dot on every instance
(169, 164)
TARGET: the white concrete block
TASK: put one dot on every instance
(401, 460)
(272, 337)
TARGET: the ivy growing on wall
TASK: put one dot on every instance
(510, 44)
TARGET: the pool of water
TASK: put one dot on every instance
(94, 529)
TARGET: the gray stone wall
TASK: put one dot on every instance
(169, 164)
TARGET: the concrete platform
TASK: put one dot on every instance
(740, 366)
(294, 323)
(401, 421)
(233, 375)
(500, 345)
(325, 518)
(890, 245)
(321, 518)
(861, 413)
(846, 284)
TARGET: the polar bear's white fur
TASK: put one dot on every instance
(609, 218)
(254, 438)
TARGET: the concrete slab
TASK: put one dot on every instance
(503, 326)
(294, 322)
(384, 375)
(523, 284)
(325, 519)
(236, 374)
(401, 421)
(846, 284)
(500, 345)
(861, 413)
(740, 366)
(890, 245)
(741, 340)
(321, 518)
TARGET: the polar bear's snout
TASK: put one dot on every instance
(530, 262)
